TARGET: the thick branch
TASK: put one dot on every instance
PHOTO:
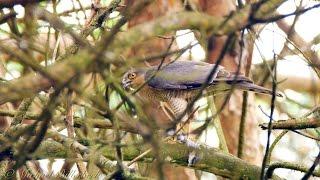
(50, 147)
(78, 122)
(10, 113)
(211, 160)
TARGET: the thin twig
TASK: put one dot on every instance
(273, 145)
(287, 165)
(312, 168)
(241, 142)
(305, 135)
(272, 106)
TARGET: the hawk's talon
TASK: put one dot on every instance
(170, 132)
(193, 158)
(183, 139)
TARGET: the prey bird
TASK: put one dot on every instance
(178, 82)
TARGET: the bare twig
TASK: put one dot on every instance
(293, 124)
(94, 10)
(287, 165)
(272, 106)
(244, 100)
(69, 121)
(312, 168)
(273, 145)
(60, 25)
(5, 17)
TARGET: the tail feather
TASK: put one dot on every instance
(255, 88)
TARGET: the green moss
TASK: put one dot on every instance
(50, 149)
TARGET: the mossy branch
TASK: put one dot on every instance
(211, 160)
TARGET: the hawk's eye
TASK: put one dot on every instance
(131, 76)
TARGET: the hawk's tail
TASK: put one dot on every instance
(247, 86)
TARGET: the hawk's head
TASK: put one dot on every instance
(133, 78)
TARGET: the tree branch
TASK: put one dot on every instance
(11, 3)
(288, 165)
(293, 124)
(212, 160)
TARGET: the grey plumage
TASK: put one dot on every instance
(191, 75)
(181, 75)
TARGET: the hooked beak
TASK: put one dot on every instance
(126, 84)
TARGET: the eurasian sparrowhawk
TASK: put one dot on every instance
(177, 82)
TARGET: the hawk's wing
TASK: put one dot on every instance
(181, 75)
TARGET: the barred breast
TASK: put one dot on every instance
(166, 95)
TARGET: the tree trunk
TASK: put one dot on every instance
(230, 116)
(154, 46)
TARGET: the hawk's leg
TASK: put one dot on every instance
(173, 109)
(178, 106)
